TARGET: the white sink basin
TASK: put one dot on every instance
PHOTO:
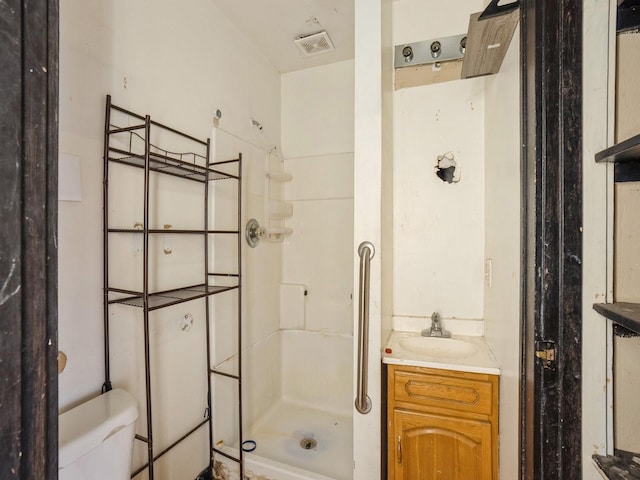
(438, 347)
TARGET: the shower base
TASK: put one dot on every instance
(296, 442)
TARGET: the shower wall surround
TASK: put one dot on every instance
(317, 143)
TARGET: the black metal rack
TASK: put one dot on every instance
(131, 145)
(625, 156)
(626, 159)
(622, 313)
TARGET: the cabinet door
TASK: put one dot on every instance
(430, 447)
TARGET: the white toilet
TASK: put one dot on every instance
(96, 438)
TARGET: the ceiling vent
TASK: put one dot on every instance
(314, 44)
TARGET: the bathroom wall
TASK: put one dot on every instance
(179, 66)
(502, 244)
(446, 233)
(317, 144)
(438, 227)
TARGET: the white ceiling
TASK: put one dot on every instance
(273, 25)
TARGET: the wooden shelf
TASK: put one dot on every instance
(488, 40)
(622, 313)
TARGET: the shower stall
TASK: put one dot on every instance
(317, 196)
(297, 342)
(301, 285)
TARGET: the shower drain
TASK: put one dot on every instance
(308, 443)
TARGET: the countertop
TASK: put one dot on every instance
(480, 361)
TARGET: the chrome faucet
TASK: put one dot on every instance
(436, 329)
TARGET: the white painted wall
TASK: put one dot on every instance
(502, 245)
(369, 119)
(386, 250)
(438, 227)
(597, 134)
(317, 111)
(178, 66)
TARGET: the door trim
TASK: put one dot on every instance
(551, 407)
(28, 239)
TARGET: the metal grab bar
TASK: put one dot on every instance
(366, 251)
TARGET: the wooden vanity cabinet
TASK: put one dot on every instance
(441, 424)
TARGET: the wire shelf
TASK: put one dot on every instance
(171, 297)
(178, 167)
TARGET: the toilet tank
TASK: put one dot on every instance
(96, 438)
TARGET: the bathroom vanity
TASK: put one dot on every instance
(442, 408)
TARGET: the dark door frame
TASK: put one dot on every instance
(28, 245)
(551, 389)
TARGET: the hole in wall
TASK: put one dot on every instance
(447, 168)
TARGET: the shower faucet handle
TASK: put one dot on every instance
(254, 232)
